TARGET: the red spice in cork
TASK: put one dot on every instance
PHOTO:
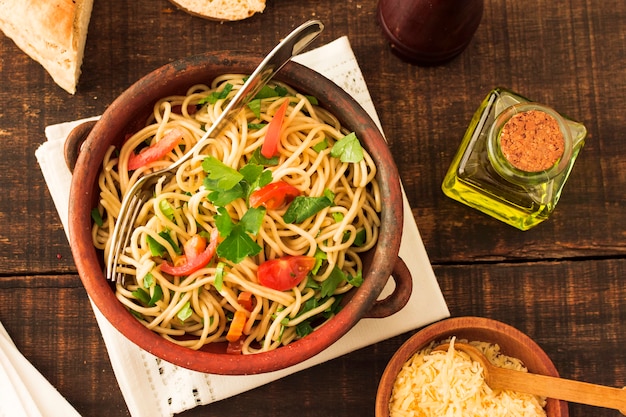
(532, 141)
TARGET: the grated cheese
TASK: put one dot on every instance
(450, 384)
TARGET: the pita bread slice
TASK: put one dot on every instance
(52, 32)
(221, 9)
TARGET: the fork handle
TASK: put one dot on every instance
(290, 46)
(558, 388)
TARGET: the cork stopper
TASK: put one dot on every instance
(532, 141)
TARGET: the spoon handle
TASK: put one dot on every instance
(558, 388)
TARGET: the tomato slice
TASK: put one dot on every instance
(197, 254)
(156, 151)
(269, 149)
(285, 272)
(274, 195)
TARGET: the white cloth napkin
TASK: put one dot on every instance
(24, 391)
(152, 387)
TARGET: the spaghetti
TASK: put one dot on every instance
(203, 264)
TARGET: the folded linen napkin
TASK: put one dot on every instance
(173, 389)
(24, 391)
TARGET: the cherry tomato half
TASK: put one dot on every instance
(274, 195)
(285, 272)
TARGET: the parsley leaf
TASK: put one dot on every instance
(156, 249)
(256, 126)
(320, 146)
(222, 197)
(255, 107)
(359, 240)
(304, 328)
(251, 172)
(220, 176)
(237, 245)
(348, 149)
(267, 92)
(141, 295)
(217, 95)
(303, 207)
(252, 220)
(259, 159)
(331, 283)
(357, 280)
(320, 256)
(156, 296)
(312, 283)
(223, 222)
(145, 298)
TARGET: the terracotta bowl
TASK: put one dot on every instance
(130, 110)
(512, 343)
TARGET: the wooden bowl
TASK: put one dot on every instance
(512, 343)
(126, 114)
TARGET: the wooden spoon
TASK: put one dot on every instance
(545, 386)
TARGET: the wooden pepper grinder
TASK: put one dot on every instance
(429, 32)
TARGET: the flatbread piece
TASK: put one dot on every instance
(52, 32)
(225, 10)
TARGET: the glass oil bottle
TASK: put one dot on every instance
(484, 176)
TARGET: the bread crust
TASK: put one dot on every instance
(52, 32)
(222, 10)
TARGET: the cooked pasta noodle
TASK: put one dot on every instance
(199, 307)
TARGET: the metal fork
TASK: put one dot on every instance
(143, 189)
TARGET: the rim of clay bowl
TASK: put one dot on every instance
(123, 116)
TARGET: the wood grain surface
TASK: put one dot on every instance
(561, 282)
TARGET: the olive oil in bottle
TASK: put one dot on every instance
(514, 159)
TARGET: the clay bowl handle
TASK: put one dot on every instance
(74, 141)
(395, 301)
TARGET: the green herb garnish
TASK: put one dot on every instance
(157, 295)
(348, 149)
(222, 197)
(156, 249)
(330, 284)
(217, 95)
(141, 295)
(96, 217)
(237, 243)
(313, 100)
(255, 107)
(259, 159)
(219, 276)
(256, 126)
(303, 207)
(167, 209)
(320, 146)
(220, 176)
(185, 312)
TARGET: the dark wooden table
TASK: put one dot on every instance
(561, 282)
